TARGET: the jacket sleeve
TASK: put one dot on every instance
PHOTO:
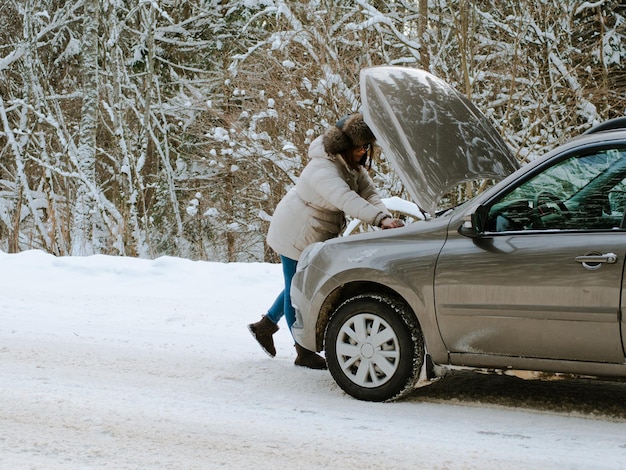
(324, 178)
(368, 191)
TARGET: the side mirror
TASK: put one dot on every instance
(468, 228)
(473, 224)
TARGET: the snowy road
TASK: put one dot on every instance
(135, 364)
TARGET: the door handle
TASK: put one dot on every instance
(595, 261)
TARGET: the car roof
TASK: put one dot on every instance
(610, 125)
(608, 131)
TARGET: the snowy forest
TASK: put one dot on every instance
(173, 127)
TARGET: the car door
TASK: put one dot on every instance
(544, 279)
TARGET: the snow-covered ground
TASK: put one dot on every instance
(137, 364)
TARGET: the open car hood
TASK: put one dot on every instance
(434, 137)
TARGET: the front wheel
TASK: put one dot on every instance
(374, 348)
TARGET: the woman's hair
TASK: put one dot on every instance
(366, 161)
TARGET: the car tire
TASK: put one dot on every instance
(374, 348)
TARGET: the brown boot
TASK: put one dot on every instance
(309, 359)
(263, 331)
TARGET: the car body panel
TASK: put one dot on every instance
(555, 308)
(534, 368)
(433, 136)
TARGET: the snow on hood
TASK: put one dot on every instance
(433, 136)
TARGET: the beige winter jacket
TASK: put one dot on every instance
(313, 210)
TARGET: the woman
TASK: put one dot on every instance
(335, 182)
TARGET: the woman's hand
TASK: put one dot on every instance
(388, 222)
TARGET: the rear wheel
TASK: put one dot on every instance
(374, 348)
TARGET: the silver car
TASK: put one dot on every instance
(525, 279)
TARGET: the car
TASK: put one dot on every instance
(526, 278)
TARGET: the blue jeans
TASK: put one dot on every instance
(282, 305)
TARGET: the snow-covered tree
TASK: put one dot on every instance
(83, 220)
(175, 126)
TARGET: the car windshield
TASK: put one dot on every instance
(579, 193)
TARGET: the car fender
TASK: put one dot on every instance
(418, 296)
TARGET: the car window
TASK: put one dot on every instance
(583, 192)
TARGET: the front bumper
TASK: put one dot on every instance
(305, 327)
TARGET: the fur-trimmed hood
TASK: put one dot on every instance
(351, 131)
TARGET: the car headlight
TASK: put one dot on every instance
(308, 254)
